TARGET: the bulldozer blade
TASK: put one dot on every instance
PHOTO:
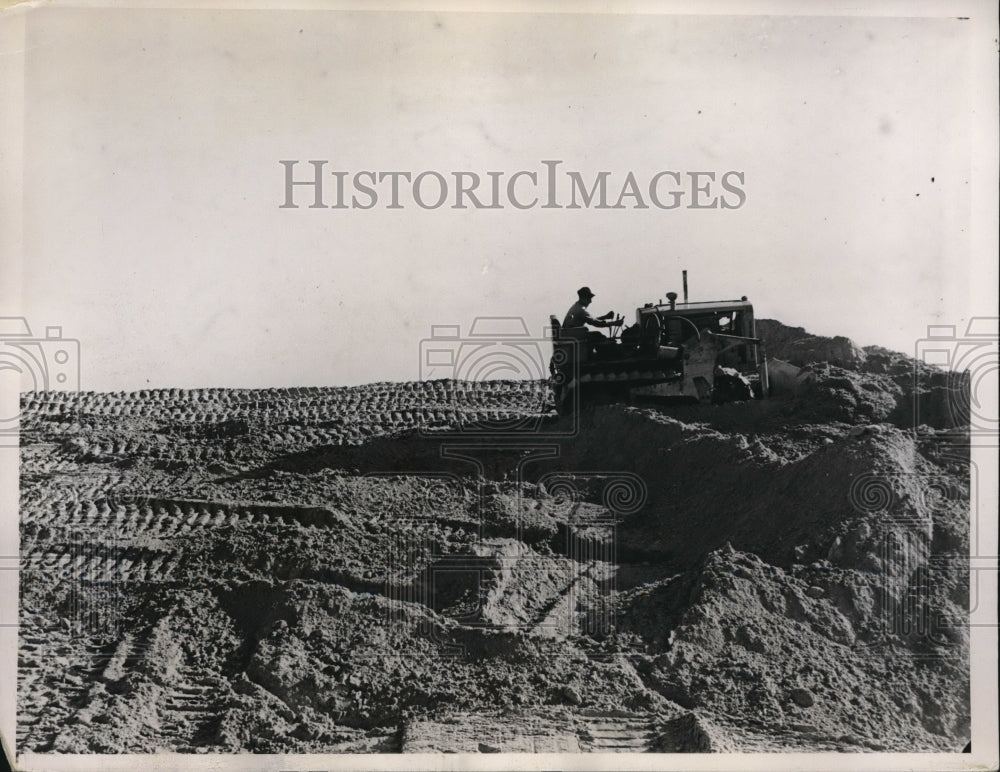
(788, 379)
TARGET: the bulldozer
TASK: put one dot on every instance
(704, 352)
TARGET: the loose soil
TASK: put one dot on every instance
(448, 566)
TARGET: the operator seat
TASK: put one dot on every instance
(562, 342)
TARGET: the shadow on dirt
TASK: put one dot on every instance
(465, 455)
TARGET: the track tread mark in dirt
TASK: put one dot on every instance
(37, 730)
(190, 711)
(556, 617)
(615, 734)
(119, 564)
(172, 517)
(193, 457)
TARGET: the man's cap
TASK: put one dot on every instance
(585, 292)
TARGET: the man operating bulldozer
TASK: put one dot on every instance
(577, 319)
(579, 316)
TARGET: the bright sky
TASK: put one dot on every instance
(153, 233)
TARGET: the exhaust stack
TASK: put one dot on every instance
(684, 276)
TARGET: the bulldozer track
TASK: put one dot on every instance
(161, 517)
(618, 734)
(191, 708)
(104, 564)
(201, 427)
(62, 690)
(207, 405)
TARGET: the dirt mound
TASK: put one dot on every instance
(450, 567)
(795, 345)
(854, 384)
(750, 639)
